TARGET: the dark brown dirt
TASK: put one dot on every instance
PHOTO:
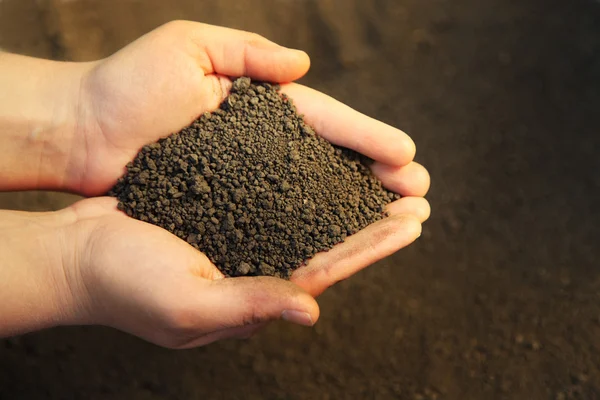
(252, 186)
(500, 297)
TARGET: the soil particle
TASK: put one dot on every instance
(252, 186)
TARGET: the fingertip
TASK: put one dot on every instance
(295, 304)
(303, 60)
(424, 211)
(422, 176)
(303, 310)
(298, 317)
(417, 206)
(293, 65)
(313, 309)
(410, 149)
(410, 180)
(409, 225)
(399, 153)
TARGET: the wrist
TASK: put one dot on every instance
(40, 118)
(39, 286)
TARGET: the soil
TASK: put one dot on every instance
(498, 299)
(252, 186)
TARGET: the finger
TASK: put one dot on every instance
(417, 206)
(237, 53)
(410, 180)
(372, 244)
(237, 302)
(346, 127)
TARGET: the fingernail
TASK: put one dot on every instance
(297, 317)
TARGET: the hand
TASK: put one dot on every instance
(141, 279)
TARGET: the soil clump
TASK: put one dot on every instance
(252, 186)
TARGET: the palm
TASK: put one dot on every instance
(138, 96)
(145, 281)
(162, 82)
(134, 265)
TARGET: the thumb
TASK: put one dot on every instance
(238, 307)
(236, 53)
(236, 302)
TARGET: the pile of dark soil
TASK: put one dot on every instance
(252, 186)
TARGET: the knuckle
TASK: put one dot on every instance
(253, 318)
(256, 313)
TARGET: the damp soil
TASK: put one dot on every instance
(253, 186)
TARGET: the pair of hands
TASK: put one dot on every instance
(113, 270)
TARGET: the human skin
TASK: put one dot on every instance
(74, 127)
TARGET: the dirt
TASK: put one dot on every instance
(499, 298)
(252, 186)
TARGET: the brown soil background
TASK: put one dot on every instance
(499, 299)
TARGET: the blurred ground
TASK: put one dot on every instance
(499, 299)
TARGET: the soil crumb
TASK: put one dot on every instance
(252, 186)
